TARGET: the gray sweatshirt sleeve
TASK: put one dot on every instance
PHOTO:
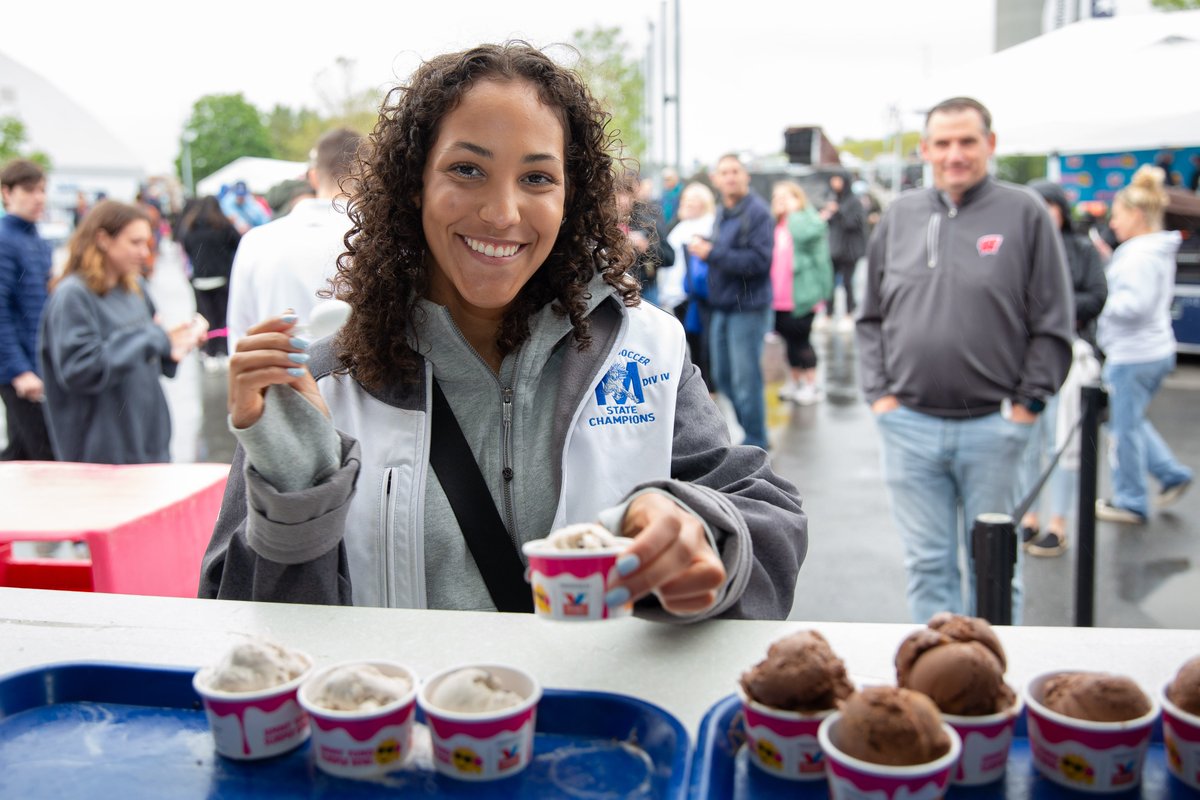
(872, 367)
(1050, 315)
(233, 569)
(755, 516)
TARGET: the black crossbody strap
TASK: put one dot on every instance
(481, 526)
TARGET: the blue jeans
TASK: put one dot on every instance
(1062, 486)
(941, 474)
(1138, 447)
(735, 340)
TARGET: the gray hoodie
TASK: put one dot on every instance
(966, 305)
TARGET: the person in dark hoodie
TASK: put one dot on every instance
(210, 241)
(844, 214)
(1090, 290)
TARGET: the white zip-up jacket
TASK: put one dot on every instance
(559, 435)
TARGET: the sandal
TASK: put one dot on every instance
(1053, 543)
(1028, 533)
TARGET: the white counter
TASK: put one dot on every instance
(684, 669)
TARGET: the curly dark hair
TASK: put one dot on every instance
(384, 273)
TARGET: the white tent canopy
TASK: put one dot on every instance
(1100, 85)
(260, 174)
(84, 155)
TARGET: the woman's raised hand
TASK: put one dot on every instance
(270, 354)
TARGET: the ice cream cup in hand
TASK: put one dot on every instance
(362, 716)
(783, 743)
(569, 573)
(1082, 754)
(850, 777)
(481, 719)
(986, 741)
(1181, 735)
(256, 723)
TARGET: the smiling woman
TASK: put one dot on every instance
(487, 273)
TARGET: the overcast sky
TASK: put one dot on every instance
(750, 68)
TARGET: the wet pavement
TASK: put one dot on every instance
(1146, 575)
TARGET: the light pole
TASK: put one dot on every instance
(189, 136)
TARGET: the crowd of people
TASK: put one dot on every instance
(511, 279)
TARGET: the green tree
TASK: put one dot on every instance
(1175, 5)
(227, 127)
(12, 143)
(1020, 169)
(617, 81)
(293, 132)
(868, 149)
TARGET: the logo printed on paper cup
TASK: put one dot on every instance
(465, 759)
(767, 754)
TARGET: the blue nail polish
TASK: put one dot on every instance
(617, 597)
(299, 343)
(299, 358)
(288, 318)
(296, 372)
(627, 565)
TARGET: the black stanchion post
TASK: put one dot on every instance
(994, 551)
(1092, 402)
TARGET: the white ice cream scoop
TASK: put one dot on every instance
(327, 318)
(472, 690)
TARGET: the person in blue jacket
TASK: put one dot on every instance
(739, 292)
(24, 272)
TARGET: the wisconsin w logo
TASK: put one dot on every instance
(622, 383)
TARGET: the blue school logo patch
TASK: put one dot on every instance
(621, 384)
(620, 394)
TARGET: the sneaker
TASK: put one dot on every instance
(821, 323)
(1028, 534)
(806, 395)
(846, 324)
(1170, 495)
(787, 390)
(1106, 511)
(1052, 544)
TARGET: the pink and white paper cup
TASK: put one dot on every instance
(851, 778)
(1095, 757)
(986, 741)
(486, 745)
(781, 743)
(361, 744)
(1181, 736)
(570, 584)
(251, 725)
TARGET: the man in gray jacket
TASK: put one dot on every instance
(964, 332)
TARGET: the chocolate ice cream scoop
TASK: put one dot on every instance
(962, 678)
(958, 662)
(1095, 696)
(891, 726)
(1184, 691)
(968, 629)
(800, 673)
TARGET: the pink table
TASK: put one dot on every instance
(146, 526)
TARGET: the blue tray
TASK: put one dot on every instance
(90, 730)
(720, 769)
